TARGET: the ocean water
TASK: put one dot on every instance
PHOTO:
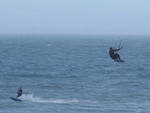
(74, 74)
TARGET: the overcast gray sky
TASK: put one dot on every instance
(75, 17)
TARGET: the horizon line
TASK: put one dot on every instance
(15, 34)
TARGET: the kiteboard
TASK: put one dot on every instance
(15, 99)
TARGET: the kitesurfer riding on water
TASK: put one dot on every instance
(19, 92)
(113, 55)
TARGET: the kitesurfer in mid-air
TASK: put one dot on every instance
(19, 92)
(115, 56)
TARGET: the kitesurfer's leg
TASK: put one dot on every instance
(117, 57)
(18, 95)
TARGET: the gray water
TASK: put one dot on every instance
(74, 74)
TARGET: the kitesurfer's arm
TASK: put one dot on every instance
(117, 49)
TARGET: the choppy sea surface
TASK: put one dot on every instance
(74, 74)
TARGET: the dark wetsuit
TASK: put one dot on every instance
(19, 92)
(113, 55)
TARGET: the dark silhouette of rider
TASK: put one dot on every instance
(113, 55)
(19, 92)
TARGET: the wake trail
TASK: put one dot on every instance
(31, 98)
